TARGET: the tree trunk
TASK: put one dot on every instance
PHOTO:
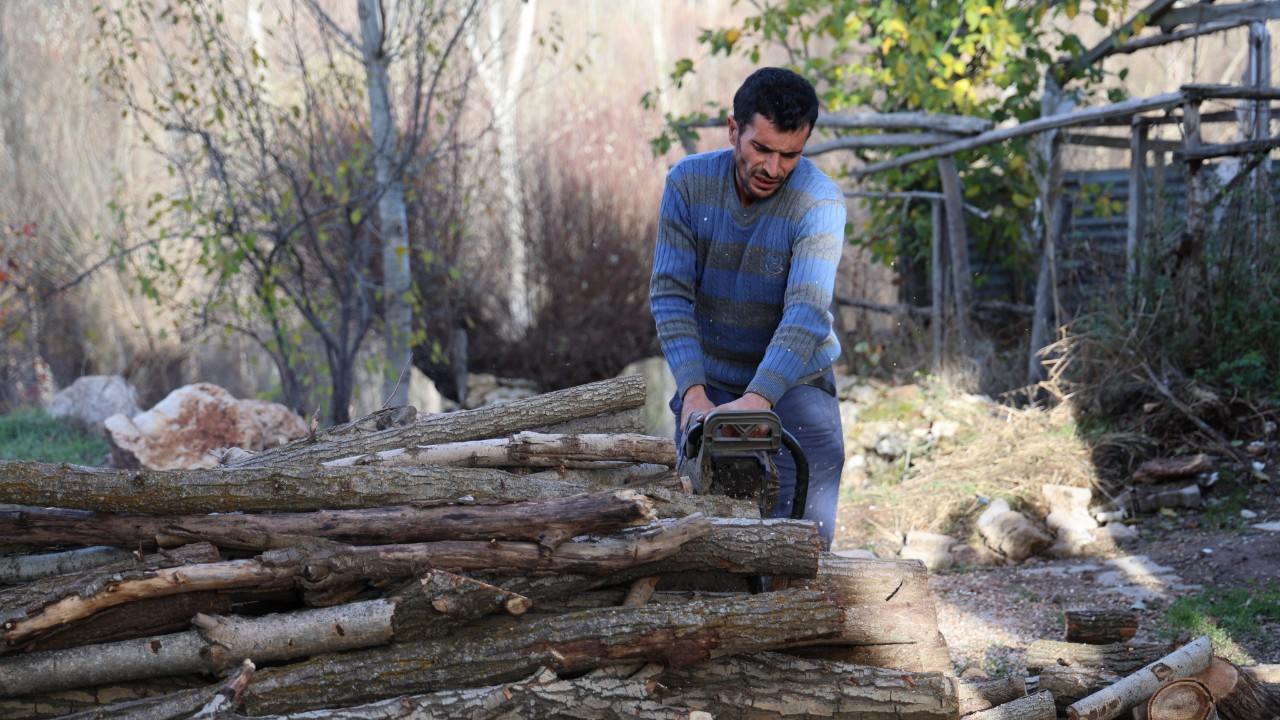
(1100, 627)
(677, 636)
(218, 644)
(1121, 659)
(174, 492)
(772, 685)
(547, 522)
(1032, 707)
(1124, 694)
(25, 568)
(1236, 693)
(958, 241)
(1183, 699)
(978, 694)
(583, 401)
(324, 568)
(528, 449)
(393, 222)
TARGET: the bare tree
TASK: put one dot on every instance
(277, 192)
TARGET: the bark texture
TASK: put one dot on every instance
(1119, 658)
(528, 449)
(25, 568)
(771, 685)
(1100, 627)
(1031, 707)
(977, 694)
(1237, 694)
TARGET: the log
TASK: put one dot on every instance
(547, 522)
(1112, 700)
(1161, 469)
(326, 567)
(499, 420)
(773, 685)
(151, 616)
(1009, 533)
(527, 449)
(172, 492)
(16, 601)
(1121, 659)
(91, 700)
(1236, 693)
(891, 619)
(1099, 627)
(25, 568)
(677, 636)
(1069, 684)
(543, 695)
(1032, 707)
(1268, 674)
(975, 694)
(1182, 699)
(218, 644)
(631, 420)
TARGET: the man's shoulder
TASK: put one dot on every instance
(811, 180)
(708, 164)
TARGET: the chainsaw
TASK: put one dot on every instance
(730, 452)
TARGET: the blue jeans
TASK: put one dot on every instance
(812, 416)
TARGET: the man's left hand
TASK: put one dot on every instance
(750, 401)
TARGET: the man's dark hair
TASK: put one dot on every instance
(783, 97)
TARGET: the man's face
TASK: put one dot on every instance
(763, 156)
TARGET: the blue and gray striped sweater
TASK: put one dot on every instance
(741, 297)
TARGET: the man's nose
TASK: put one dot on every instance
(772, 164)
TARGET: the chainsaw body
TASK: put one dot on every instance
(730, 452)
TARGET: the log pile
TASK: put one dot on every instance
(1150, 681)
(498, 562)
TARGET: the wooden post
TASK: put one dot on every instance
(938, 280)
(1191, 275)
(957, 238)
(1136, 260)
(1046, 280)
(1257, 114)
(1049, 184)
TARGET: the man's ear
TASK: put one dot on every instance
(733, 132)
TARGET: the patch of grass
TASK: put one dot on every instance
(890, 409)
(1228, 616)
(34, 435)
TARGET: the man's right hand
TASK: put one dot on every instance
(695, 401)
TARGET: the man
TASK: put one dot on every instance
(744, 267)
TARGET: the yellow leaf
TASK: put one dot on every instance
(884, 46)
(897, 27)
(732, 36)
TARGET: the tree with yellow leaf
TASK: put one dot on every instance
(982, 58)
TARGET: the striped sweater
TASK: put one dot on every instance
(741, 297)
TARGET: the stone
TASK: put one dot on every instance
(183, 430)
(932, 549)
(423, 395)
(660, 387)
(91, 399)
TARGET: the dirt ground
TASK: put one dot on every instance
(990, 611)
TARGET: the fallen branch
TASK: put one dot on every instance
(527, 449)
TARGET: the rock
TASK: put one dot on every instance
(932, 549)
(1068, 508)
(181, 430)
(661, 386)
(423, 394)
(944, 429)
(855, 553)
(1151, 498)
(1010, 534)
(91, 399)
(484, 389)
(891, 446)
(1268, 526)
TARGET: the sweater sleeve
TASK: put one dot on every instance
(672, 291)
(806, 319)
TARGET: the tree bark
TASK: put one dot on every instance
(318, 569)
(1183, 699)
(1121, 659)
(772, 685)
(91, 701)
(978, 694)
(1100, 627)
(25, 568)
(547, 522)
(560, 406)
(1124, 694)
(957, 241)
(218, 644)
(630, 420)
(1161, 469)
(677, 636)
(1032, 707)
(151, 616)
(1237, 694)
(528, 449)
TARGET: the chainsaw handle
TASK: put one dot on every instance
(801, 496)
